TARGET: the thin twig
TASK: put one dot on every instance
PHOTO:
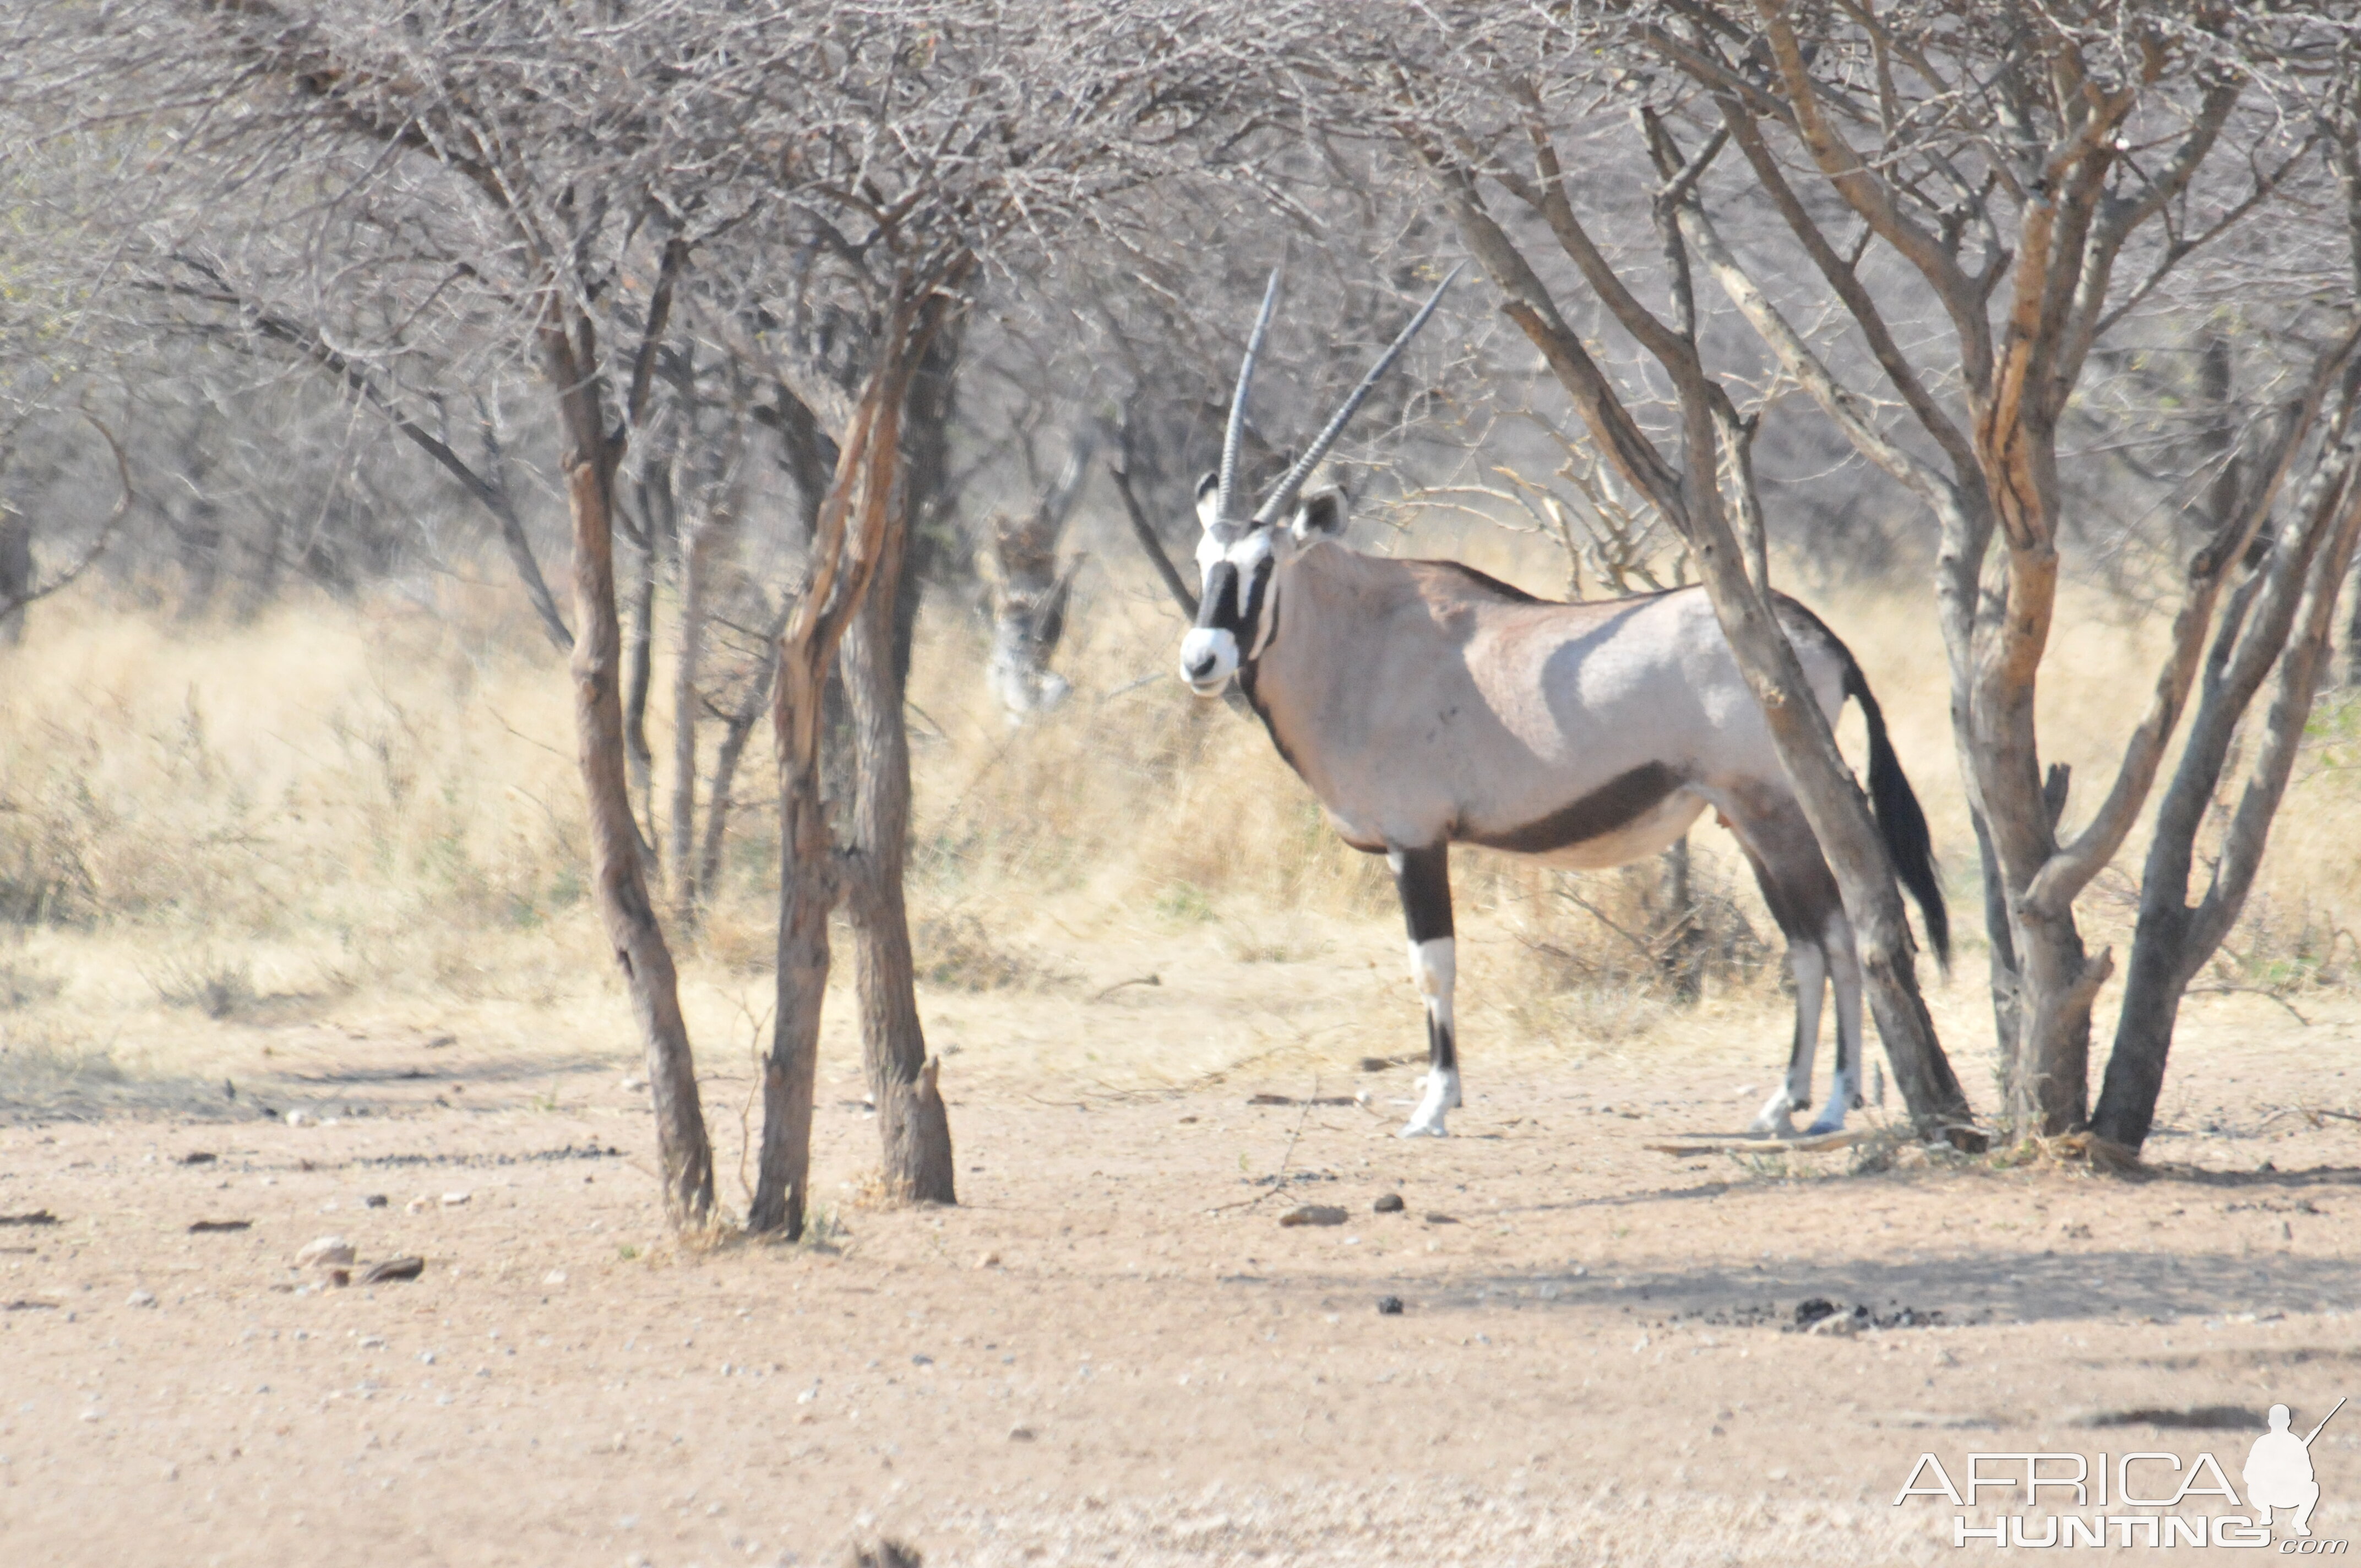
(1136, 980)
(1278, 1177)
(2251, 990)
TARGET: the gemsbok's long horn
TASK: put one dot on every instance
(1234, 436)
(1281, 498)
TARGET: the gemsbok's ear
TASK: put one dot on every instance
(1209, 499)
(1322, 515)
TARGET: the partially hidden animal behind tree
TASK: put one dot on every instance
(1427, 704)
(1027, 589)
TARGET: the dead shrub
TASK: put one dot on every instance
(1651, 931)
(215, 985)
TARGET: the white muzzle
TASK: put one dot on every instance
(1209, 657)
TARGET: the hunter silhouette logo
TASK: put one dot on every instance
(2143, 1498)
(2278, 1471)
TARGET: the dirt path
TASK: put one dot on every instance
(1111, 1351)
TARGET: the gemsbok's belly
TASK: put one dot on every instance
(1613, 822)
(1651, 833)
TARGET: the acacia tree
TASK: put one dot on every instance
(2283, 613)
(491, 166)
(52, 369)
(1998, 167)
(555, 179)
(2001, 166)
(1480, 106)
(934, 143)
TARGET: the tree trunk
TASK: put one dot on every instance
(15, 572)
(875, 665)
(638, 674)
(2353, 636)
(2015, 444)
(2172, 940)
(2018, 1096)
(857, 531)
(933, 545)
(910, 1115)
(618, 874)
(697, 550)
(1838, 812)
(734, 734)
(810, 458)
(2007, 994)
(200, 540)
(807, 894)
(1683, 947)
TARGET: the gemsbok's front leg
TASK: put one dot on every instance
(1424, 879)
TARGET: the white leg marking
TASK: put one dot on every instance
(1844, 976)
(1776, 1119)
(1434, 966)
(1442, 1095)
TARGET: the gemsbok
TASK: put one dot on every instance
(1427, 704)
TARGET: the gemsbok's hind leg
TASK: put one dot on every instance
(1802, 892)
(1809, 967)
(1422, 877)
(1844, 975)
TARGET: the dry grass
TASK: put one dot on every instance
(374, 811)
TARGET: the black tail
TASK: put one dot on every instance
(1900, 822)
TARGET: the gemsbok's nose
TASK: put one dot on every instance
(1201, 666)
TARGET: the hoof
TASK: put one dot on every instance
(1776, 1118)
(1417, 1130)
(1824, 1125)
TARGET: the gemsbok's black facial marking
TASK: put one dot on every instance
(1616, 804)
(1217, 607)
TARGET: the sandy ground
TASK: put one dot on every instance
(1111, 1351)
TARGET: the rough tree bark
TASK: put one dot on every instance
(902, 1076)
(689, 667)
(637, 939)
(852, 533)
(911, 1120)
(638, 676)
(735, 731)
